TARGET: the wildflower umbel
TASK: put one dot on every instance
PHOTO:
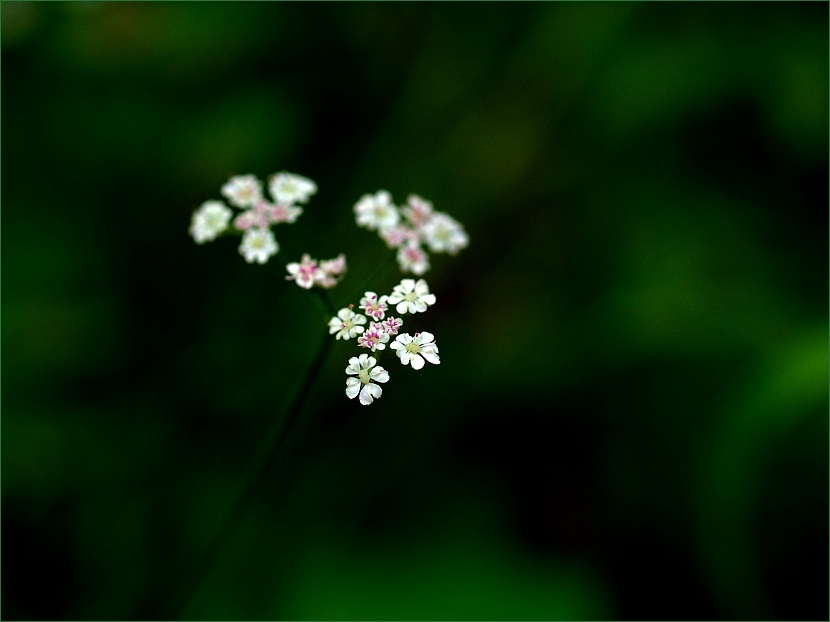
(258, 215)
(421, 225)
(410, 297)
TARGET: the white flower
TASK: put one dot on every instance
(289, 188)
(375, 337)
(243, 190)
(444, 234)
(418, 211)
(373, 306)
(258, 245)
(391, 325)
(415, 349)
(209, 221)
(376, 212)
(304, 273)
(411, 297)
(346, 324)
(367, 375)
(411, 258)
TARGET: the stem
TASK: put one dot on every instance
(256, 473)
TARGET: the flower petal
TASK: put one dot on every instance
(417, 361)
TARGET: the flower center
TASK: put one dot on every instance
(413, 347)
(363, 374)
(411, 297)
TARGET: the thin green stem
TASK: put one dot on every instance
(256, 474)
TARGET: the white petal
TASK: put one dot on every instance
(379, 374)
(401, 307)
(366, 396)
(425, 337)
(352, 387)
(432, 357)
(417, 361)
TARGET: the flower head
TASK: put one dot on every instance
(305, 272)
(376, 211)
(258, 245)
(243, 190)
(391, 325)
(347, 324)
(373, 306)
(290, 188)
(444, 234)
(415, 349)
(367, 375)
(209, 221)
(418, 211)
(375, 337)
(411, 297)
(411, 258)
(331, 271)
(284, 212)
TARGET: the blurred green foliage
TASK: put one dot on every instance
(630, 416)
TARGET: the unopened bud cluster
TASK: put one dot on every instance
(409, 227)
(364, 374)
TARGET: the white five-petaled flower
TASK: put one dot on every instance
(411, 297)
(290, 188)
(415, 349)
(376, 211)
(373, 306)
(258, 245)
(411, 258)
(347, 324)
(243, 190)
(209, 221)
(375, 337)
(444, 234)
(367, 375)
(304, 273)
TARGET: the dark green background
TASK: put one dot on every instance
(630, 415)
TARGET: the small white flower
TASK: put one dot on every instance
(415, 349)
(376, 211)
(375, 337)
(347, 324)
(418, 211)
(411, 258)
(258, 245)
(243, 190)
(411, 297)
(209, 221)
(367, 375)
(444, 234)
(373, 306)
(304, 273)
(289, 188)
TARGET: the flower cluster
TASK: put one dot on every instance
(408, 297)
(245, 192)
(409, 227)
(309, 273)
